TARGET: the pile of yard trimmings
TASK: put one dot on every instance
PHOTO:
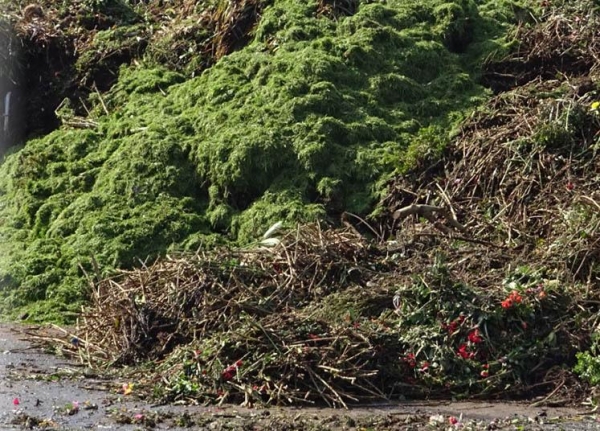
(324, 316)
(488, 288)
(310, 118)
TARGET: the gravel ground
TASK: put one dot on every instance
(43, 391)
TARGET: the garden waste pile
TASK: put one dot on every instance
(185, 125)
(440, 157)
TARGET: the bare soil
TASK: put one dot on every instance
(40, 390)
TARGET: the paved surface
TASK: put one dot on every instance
(52, 392)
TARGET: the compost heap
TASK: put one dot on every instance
(476, 277)
(483, 281)
(191, 125)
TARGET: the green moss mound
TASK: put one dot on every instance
(309, 119)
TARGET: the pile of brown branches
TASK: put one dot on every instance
(196, 36)
(253, 302)
(36, 25)
(564, 41)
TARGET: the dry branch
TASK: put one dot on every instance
(428, 212)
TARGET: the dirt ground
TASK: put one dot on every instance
(39, 390)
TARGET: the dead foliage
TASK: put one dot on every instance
(195, 39)
(231, 26)
(564, 41)
(36, 25)
(200, 293)
(255, 302)
(335, 9)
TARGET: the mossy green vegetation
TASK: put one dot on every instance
(308, 119)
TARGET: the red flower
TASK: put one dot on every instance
(463, 352)
(410, 360)
(231, 371)
(474, 336)
(484, 373)
(515, 296)
(424, 366)
(452, 326)
(570, 186)
(452, 420)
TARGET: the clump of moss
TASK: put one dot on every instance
(309, 119)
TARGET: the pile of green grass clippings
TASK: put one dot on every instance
(298, 111)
